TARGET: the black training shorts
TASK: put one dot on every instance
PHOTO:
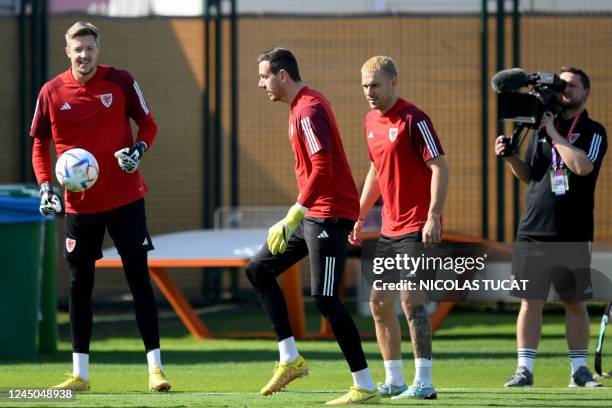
(324, 240)
(542, 261)
(126, 225)
(405, 247)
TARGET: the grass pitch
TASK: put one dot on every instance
(474, 353)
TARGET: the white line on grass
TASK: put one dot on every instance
(526, 389)
(475, 390)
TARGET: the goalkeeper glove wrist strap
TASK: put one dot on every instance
(46, 187)
(141, 147)
(300, 208)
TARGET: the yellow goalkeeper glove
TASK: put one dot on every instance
(280, 233)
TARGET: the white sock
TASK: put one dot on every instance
(80, 365)
(287, 350)
(394, 372)
(423, 371)
(363, 379)
(526, 358)
(578, 359)
(154, 359)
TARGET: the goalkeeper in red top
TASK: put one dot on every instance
(89, 106)
(317, 226)
(409, 170)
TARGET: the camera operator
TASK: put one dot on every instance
(560, 167)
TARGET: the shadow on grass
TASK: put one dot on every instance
(244, 355)
(249, 317)
(252, 320)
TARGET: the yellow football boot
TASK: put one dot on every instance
(357, 396)
(158, 381)
(74, 383)
(284, 373)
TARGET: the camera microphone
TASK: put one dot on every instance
(509, 80)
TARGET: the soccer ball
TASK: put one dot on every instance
(76, 170)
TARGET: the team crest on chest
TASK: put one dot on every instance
(393, 134)
(573, 137)
(70, 244)
(371, 135)
(106, 99)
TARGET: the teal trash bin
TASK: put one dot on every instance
(47, 325)
(27, 280)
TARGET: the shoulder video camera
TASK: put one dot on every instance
(527, 107)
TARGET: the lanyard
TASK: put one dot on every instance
(554, 151)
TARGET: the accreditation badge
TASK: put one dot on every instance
(559, 181)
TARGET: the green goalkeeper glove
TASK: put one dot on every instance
(280, 233)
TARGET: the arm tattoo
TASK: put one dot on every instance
(420, 331)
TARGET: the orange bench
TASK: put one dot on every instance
(209, 249)
(229, 248)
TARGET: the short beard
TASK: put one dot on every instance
(570, 105)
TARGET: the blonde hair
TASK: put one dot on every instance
(380, 63)
(80, 29)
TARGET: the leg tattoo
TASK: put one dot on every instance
(420, 331)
